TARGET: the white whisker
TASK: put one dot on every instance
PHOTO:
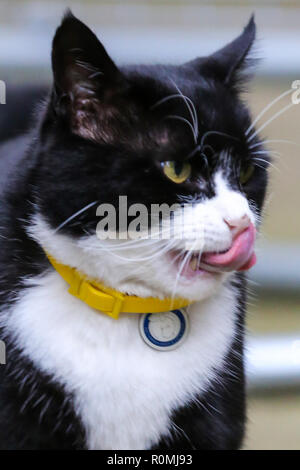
(156, 251)
(171, 116)
(189, 104)
(266, 162)
(270, 141)
(149, 239)
(191, 107)
(286, 108)
(181, 268)
(266, 108)
(75, 215)
(206, 134)
(267, 152)
(185, 261)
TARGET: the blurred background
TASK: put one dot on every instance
(174, 31)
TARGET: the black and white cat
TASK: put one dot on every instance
(76, 378)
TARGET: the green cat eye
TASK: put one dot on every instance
(178, 172)
(246, 174)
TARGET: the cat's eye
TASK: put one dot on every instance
(246, 174)
(178, 172)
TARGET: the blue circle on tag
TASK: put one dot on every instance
(171, 342)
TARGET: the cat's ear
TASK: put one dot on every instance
(85, 77)
(229, 63)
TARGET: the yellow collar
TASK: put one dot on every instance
(110, 301)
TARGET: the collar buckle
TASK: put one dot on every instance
(111, 303)
(117, 306)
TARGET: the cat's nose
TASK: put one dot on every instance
(238, 224)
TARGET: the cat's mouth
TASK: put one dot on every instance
(239, 256)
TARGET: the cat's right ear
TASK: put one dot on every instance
(85, 77)
(230, 63)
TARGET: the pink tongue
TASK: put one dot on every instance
(240, 255)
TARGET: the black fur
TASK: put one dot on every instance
(98, 136)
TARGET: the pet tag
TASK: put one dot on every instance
(165, 330)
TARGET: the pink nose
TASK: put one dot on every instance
(238, 224)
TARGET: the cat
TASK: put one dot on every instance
(75, 378)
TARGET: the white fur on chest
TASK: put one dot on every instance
(124, 390)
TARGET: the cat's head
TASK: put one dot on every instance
(158, 134)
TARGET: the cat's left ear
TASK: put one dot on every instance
(86, 80)
(228, 63)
